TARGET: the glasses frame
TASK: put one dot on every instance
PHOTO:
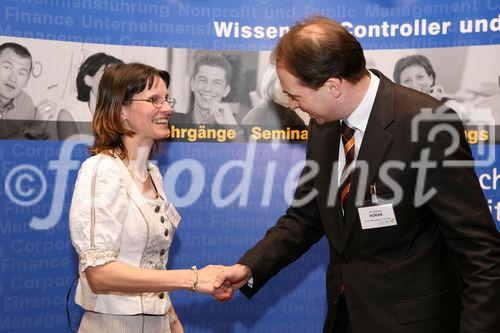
(157, 102)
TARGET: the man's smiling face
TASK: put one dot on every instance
(209, 86)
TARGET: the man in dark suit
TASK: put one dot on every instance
(413, 247)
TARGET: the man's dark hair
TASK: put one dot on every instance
(214, 60)
(319, 48)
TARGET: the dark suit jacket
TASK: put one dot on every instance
(438, 269)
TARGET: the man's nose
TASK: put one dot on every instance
(11, 76)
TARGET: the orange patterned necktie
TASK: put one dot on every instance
(349, 149)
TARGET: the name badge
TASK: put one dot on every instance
(377, 216)
(172, 214)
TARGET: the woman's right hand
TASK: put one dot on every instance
(206, 277)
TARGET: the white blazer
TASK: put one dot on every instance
(110, 220)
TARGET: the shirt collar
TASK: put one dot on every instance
(359, 118)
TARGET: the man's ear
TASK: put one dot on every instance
(334, 86)
(226, 91)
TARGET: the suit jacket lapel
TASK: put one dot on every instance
(328, 182)
(376, 141)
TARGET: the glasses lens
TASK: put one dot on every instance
(172, 101)
(157, 102)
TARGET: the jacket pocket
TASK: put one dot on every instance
(423, 307)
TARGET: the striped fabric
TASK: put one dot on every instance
(349, 149)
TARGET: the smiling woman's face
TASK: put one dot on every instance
(416, 77)
(147, 121)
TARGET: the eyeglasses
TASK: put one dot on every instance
(157, 101)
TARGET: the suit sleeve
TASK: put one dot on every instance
(463, 217)
(294, 233)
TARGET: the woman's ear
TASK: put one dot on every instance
(124, 113)
(87, 79)
(334, 86)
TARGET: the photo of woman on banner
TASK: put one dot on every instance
(416, 72)
(273, 110)
(19, 118)
(72, 121)
(121, 222)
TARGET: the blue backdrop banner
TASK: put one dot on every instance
(229, 188)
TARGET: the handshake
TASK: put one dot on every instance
(221, 281)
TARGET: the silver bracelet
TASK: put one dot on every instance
(195, 282)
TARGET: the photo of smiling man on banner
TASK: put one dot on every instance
(210, 83)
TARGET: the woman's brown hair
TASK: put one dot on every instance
(117, 87)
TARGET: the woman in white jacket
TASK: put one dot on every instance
(121, 223)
